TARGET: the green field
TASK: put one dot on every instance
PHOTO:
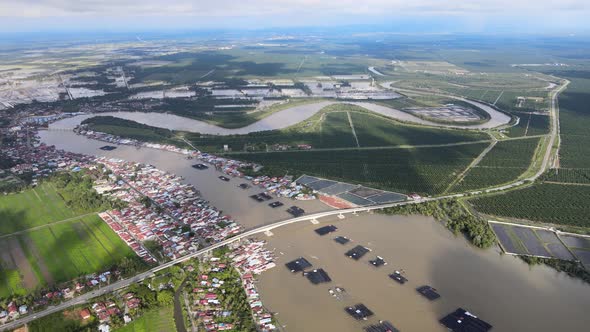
(58, 253)
(422, 170)
(551, 203)
(33, 207)
(154, 320)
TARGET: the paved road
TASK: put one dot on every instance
(263, 228)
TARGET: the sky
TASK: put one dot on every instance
(468, 16)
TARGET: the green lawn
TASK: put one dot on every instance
(154, 320)
(33, 207)
(65, 251)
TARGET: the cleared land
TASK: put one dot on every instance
(154, 320)
(504, 163)
(423, 170)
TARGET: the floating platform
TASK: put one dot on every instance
(383, 326)
(223, 178)
(342, 240)
(326, 230)
(200, 166)
(428, 292)
(357, 252)
(296, 211)
(298, 265)
(244, 186)
(462, 320)
(108, 148)
(359, 311)
(397, 276)
(318, 276)
(275, 204)
(378, 261)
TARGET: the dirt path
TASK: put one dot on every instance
(40, 262)
(473, 164)
(353, 131)
(29, 280)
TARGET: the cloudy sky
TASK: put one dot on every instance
(459, 15)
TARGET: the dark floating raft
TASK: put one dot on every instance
(298, 265)
(359, 311)
(462, 320)
(342, 240)
(428, 292)
(200, 166)
(318, 276)
(378, 261)
(357, 252)
(108, 148)
(326, 230)
(397, 276)
(383, 326)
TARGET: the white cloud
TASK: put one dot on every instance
(229, 8)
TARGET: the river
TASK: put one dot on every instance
(278, 120)
(500, 289)
(225, 196)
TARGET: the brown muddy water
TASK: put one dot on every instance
(225, 196)
(500, 289)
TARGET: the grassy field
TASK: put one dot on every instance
(33, 207)
(422, 170)
(58, 253)
(155, 320)
(551, 203)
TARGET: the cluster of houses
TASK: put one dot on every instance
(105, 310)
(12, 311)
(249, 258)
(40, 160)
(280, 186)
(178, 218)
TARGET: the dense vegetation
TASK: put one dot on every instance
(455, 216)
(504, 163)
(573, 269)
(530, 125)
(422, 170)
(547, 202)
(76, 190)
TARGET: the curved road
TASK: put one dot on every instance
(263, 228)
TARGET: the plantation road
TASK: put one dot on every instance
(279, 120)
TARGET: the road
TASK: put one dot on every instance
(267, 227)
